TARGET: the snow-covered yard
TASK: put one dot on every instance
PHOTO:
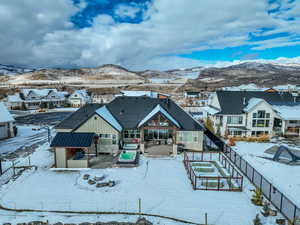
(285, 177)
(163, 187)
(26, 137)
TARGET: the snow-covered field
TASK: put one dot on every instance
(285, 177)
(164, 189)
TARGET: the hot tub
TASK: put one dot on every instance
(127, 156)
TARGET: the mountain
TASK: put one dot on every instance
(262, 74)
(13, 70)
(103, 74)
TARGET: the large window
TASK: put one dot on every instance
(108, 139)
(188, 137)
(261, 119)
(131, 134)
(234, 119)
(155, 134)
(261, 114)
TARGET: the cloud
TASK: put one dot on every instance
(41, 34)
(127, 11)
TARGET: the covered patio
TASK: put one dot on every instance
(73, 150)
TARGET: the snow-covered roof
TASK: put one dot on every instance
(14, 98)
(288, 112)
(210, 110)
(140, 93)
(5, 116)
(108, 117)
(41, 92)
(252, 103)
(157, 109)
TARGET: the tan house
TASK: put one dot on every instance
(144, 124)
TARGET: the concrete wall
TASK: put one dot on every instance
(78, 163)
(60, 157)
(196, 142)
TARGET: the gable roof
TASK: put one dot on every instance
(288, 111)
(5, 115)
(78, 117)
(130, 111)
(232, 102)
(156, 110)
(75, 140)
(108, 117)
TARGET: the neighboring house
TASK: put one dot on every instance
(192, 94)
(152, 124)
(36, 98)
(79, 98)
(7, 126)
(14, 102)
(250, 113)
(151, 94)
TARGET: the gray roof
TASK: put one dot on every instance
(129, 111)
(69, 139)
(232, 102)
(78, 117)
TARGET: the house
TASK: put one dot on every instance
(150, 124)
(79, 98)
(7, 126)
(36, 98)
(192, 94)
(151, 94)
(251, 113)
(14, 102)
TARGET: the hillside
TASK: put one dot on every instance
(262, 74)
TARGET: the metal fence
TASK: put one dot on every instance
(10, 169)
(278, 199)
(282, 203)
(228, 178)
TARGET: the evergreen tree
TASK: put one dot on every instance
(257, 198)
(257, 220)
(266, 209)
(209, 125)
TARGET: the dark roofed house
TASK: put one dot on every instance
(247, 113)
(151, 125)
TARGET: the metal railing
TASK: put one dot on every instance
(282, 203)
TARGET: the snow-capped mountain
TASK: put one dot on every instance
(13, 70)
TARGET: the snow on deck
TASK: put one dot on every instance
(163, 187)
(285, 177)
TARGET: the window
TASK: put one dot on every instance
(261, 114)
(131, 134)
(259, 133)
(293, 121)
(254, 115)
(260, 123)
(234, 120)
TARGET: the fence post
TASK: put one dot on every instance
(140, 206)
(281, 201)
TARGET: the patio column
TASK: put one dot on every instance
(174, 149)
(283, 127)
(142, 142)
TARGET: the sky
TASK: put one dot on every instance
(148, 34)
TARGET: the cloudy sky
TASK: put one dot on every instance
(139, 34)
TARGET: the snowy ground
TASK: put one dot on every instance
(164, 189)
(25, 137)
(285, 177)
